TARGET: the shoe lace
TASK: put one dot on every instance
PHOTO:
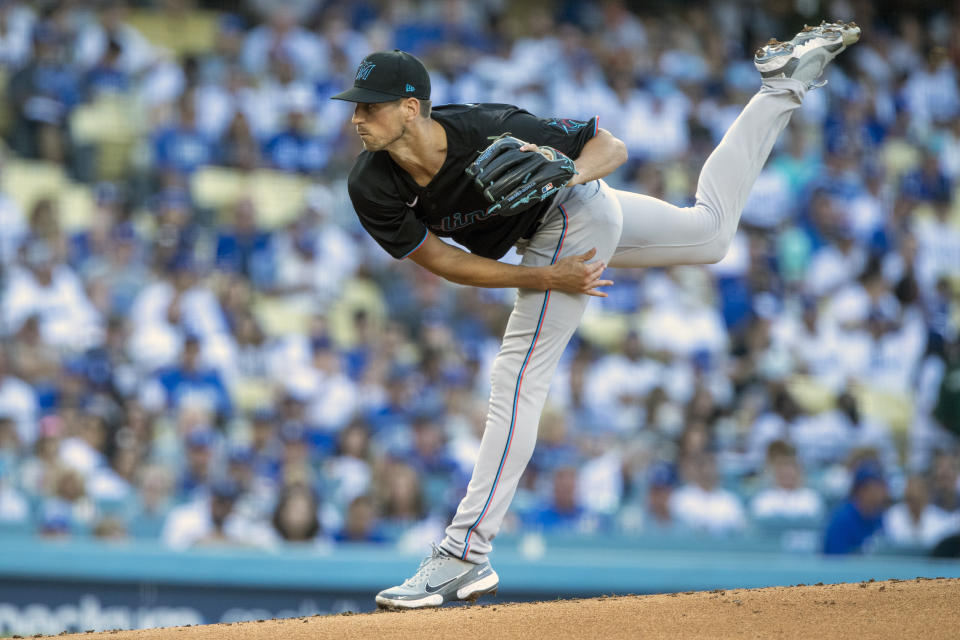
(427, 565)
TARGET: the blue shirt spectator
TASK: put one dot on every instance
(244, 248)
(107, 76)
(190, 380)
(295, 149)
(927, 182)
(361, 523)
(181, 147)
(861, 515)
(563, 513)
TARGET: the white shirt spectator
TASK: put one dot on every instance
(717, 511)
(886, 363)
(13, 228)
(830, 268)
(334, 260)
(768, 427)
(67, 318)
(348, 478)
(77, 454)
(105, 484)
(685, 328)
(938, 251)
(872, 62)
(152, 346)
(616, 386)
(19, 402)
(852, 304)
(777, 502)
(875, 434)
(819, 440)
(718, 116)
(530, 60)
(16, 40)
(866, 213)
(191, 523)
(13, 506)
(276, 101)
(162, 82)
(770, 201)
(683, 65)
(815, 351)
(332, 398)
(136, 52)
(215, 107)
(309, 53)
(950, 152)
(600, 483)
(935, 524)
(932, 96)
(655, 127)
(338, 32)
(200, 310)
(582, 95)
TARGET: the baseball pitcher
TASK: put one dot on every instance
(493, 176)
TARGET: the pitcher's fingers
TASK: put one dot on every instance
(583, 257)
(593, 284)
(595, 293)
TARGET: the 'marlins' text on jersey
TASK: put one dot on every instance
(397, 212)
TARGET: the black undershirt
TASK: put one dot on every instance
(397, 212)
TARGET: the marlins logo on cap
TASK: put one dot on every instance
(399, 75)
(364, 71)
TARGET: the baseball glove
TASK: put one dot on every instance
(515, 180)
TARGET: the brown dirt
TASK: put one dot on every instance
(923, 608)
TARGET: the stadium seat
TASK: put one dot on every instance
(605, 329)
(812, 396)
(248, 394)
(217, 187)
(278, 197)
(26, 181)
(280, 316)
(181, 33)
(112, 125)
(76, 206)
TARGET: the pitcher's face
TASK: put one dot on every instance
(378, 124)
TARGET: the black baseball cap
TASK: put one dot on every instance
(388, 75)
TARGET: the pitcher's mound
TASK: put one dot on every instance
(920, 608)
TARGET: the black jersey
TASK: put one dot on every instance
(397, 212)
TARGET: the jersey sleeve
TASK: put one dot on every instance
(563, 134)
(395, 227)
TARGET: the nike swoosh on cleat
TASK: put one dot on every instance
(785, 70)
(433, 589)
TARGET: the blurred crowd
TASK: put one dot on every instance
(153, 386)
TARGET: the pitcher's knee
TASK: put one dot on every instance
(716, 250)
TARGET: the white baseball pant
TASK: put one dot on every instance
(628, 230)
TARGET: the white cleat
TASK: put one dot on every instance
(441, 578)
(806, 56)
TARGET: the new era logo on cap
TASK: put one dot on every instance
(410, 88)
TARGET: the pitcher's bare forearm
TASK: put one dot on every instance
(572, 274)
(600, 157)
